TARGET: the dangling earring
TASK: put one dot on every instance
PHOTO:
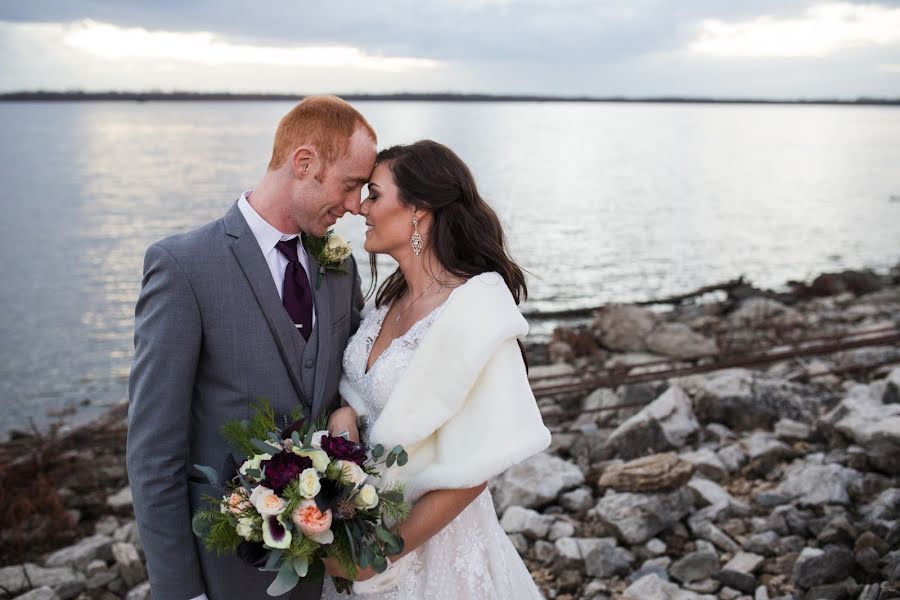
(417, 242)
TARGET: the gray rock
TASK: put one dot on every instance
(868, 558)
(561, 529)
(578, 500)
(765, 450)
(892, 387)
(141, 592)
(624, 327)
(705, 586)
(12, 579)
(655, 546)
(790, 430)
(703, 528)
(870, 592)
(635, 518)
(814, 485)
(533, 524)
(886, 507)
(695, 566)
(707, 463)
(871, 424)
(577, 549)
(756, 310)
(738, 573)
(761, 593)
(599, 403)
(106, 525)
(732, 456)
(762, 543)
(544, 551)
(128, 532)
(741, 400)
(129, 563)
(677, 340)
(65, 581)
(664, 424)
(653, 586)
(42, 593)
(816, 566)
(607, 559)
(121, 499)
(95, 566)
(101, 580)
(710, 493)
(534, 482)
(658, 566)
(81, 554)
(519, 542)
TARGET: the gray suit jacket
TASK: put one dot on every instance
(211, 335)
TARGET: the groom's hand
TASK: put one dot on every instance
(341, 420)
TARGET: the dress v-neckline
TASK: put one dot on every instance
(367, 368)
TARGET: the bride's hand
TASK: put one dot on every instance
(334, 569)
(341, 420)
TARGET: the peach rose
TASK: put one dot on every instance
(266, 501)
(238, 502)
(312, 522)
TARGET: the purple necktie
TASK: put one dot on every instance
(298, 299)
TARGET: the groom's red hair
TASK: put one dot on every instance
(325, 122)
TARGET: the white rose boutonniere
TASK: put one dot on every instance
(330, 252)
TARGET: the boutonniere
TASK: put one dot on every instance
(329, 251)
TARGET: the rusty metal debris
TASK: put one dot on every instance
(665, 369)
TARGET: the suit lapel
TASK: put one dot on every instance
(322, 294)
(253, 264)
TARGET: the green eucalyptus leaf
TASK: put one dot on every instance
(397, 449)
(295, 437)
(211, 474)
(264, 447)
(285, 581)
(389, 462)
(377, 451)
(403, 458)
(379, 564)
(272, 563)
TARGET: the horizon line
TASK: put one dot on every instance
(80, 95)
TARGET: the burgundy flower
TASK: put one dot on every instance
(340, 449)
(282, 468)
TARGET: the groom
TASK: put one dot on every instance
(231, 312)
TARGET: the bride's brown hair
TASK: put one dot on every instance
(465, 234)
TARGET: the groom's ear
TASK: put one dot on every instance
(301, 161)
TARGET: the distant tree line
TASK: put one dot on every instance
(419, 97)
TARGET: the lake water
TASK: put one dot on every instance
(601, 202)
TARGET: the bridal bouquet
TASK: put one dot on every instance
(301, 496)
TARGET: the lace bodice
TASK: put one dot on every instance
(375, 386)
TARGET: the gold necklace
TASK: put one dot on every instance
(410, 305)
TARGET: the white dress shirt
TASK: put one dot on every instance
(267, 236)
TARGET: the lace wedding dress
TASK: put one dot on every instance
(471, 558)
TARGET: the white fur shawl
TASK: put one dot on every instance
(463, 409)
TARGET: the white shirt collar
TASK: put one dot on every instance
(263, 231)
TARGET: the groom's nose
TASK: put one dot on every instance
(351, 203)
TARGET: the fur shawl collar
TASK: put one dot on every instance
(463, 409)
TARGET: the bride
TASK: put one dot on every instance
(437, 367)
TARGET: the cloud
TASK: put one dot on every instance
(823, 30)
(108, 41)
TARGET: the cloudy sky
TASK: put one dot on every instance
(726, 48)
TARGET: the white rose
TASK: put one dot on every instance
(352, 471)
(337, 249)
(266, 502)
(309, 484)
(317, 438)
(367, 497)
(245, 528)
(253, 463)
(319, 458)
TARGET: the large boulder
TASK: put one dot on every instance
(865, 419)
(677, 340)
(635, 518)
(741, 399)
(534, 482)
(624, 327)
(666, 423)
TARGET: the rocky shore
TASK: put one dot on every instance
(777, 481)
